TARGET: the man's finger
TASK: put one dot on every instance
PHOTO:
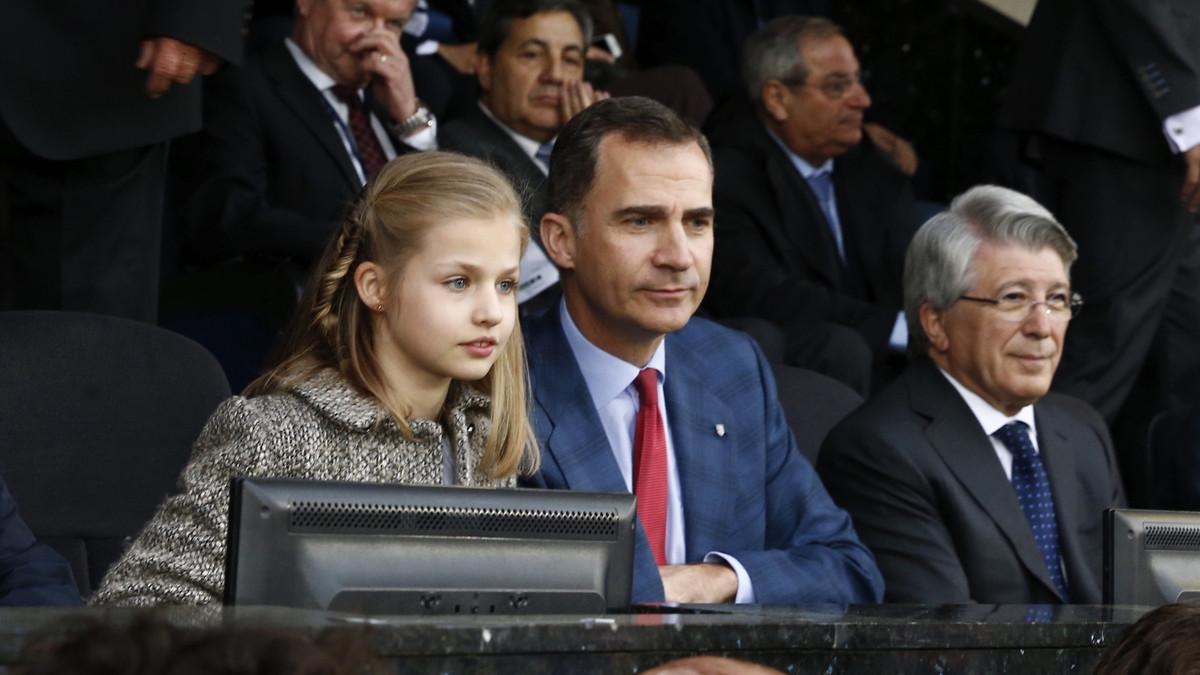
(209, 63)
(146, 54)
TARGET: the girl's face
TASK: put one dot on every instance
(454, 304)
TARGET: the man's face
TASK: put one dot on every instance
(1008, 360)
(523, 82)
(641, 256)
(339, 34)
(823, 117)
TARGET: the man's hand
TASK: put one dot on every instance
(171, 61)
(391, 78)
(462, 58)
(1191, 184)
(899, 150)
(699, 583)
(577, 95)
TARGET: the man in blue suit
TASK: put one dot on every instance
(30, 573)
(729, 510)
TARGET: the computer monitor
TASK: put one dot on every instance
(402, 549)
(1151, 557)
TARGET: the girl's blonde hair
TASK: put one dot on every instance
(332, 327)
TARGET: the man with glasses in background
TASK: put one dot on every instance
(812, 215)
(966, 478)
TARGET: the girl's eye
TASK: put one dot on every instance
(507, 286)
(457, 283)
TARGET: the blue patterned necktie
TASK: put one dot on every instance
(1032, 485)
(822, 186)
(543, 154)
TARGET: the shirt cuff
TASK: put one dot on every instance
(425, 139)
(428, 48)
(899, 338)
(745, 589)
(1183, 129)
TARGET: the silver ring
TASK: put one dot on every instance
(383, 58)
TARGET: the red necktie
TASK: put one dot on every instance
(370, 153)
(650, 465)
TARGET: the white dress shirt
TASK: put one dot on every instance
(610, 382)
(1183, 129)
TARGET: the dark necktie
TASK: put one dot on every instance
(650, 465)
(370, 153)
(1032, 485)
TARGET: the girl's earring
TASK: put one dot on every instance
(379, 307)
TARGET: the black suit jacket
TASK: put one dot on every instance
(475, 134)
(930, 499)
(708, 35)
(1106, 74)
(775, 257)
(271, 173)
(68, 85)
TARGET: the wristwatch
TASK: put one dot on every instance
(421, 119)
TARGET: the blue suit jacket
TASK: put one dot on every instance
(30, 573)
(749, 494)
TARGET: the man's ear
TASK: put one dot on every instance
(774, 99)
(932, 322)
(303, 7)
(371, 285)
(483, 72)
(559, 239)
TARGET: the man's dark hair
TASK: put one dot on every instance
(635, 119)
(496, 23)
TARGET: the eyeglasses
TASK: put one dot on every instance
(1017, 306)
(835, 86)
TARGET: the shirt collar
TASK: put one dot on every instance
(320, 79)
(528, 145)
(606, 376)
(806, 170)
(989, 418)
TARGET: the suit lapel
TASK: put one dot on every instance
(862, 230)
(576, 442)
(810, 236)
(527, 177)
(299, 94)
(1054, 448)
(957, 437)
(702, 456)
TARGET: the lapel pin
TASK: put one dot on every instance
(720, 429)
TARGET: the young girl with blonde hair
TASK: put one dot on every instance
(404, 365)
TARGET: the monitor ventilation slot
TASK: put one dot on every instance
(1172, 537)
(335, 517)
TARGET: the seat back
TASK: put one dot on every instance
(813, 403)
(98, 417)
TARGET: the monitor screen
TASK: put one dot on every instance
(1151, 557)
(403, 549)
